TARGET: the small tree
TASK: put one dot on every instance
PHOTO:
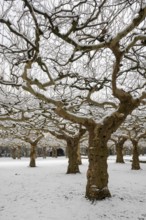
(135, 158)
(136, 132)
(72, 148)
(119, 145)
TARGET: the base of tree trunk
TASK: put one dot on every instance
(98, 194)
(120, 161)
(72, 171)
(136, 168)
(32, 163)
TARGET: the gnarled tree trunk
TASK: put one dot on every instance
(119, 150)
(73, 164)
(97, 176)
(33, 156)
(99, 134)
(135, 158)
(119, 158)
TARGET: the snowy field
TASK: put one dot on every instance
(47, 193)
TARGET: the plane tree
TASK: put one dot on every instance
(133, 130)
(76, 54)
(136, 132)
(119, 146)
(24, 133)
(17, 119)
(13, 110)
(64, 130)
(72, 139)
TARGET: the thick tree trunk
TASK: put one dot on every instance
(135, 158)
(79, 155)
(33, 156)
(119, 158)
(99, 134)
(97, 176)
(73, 164)
(119, 150)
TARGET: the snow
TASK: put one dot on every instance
(48, 193)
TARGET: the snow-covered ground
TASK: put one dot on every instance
(47, 193)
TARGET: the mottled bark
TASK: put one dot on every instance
(97, 176)
(135, 158)
(72, 149)
(99, 134)
(33, 153)
(119, 158)
(73, 164)
(33, 156)
(119, 150)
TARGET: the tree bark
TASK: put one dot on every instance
(79, 155)
(72, 149)
(119, 150)
(119, 158)
(33, 156)
(73, 164)
(97, 176)
(135, 158)
(99, 134)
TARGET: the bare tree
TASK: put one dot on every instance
(72, 148)
(119, 142)
(136, 133)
